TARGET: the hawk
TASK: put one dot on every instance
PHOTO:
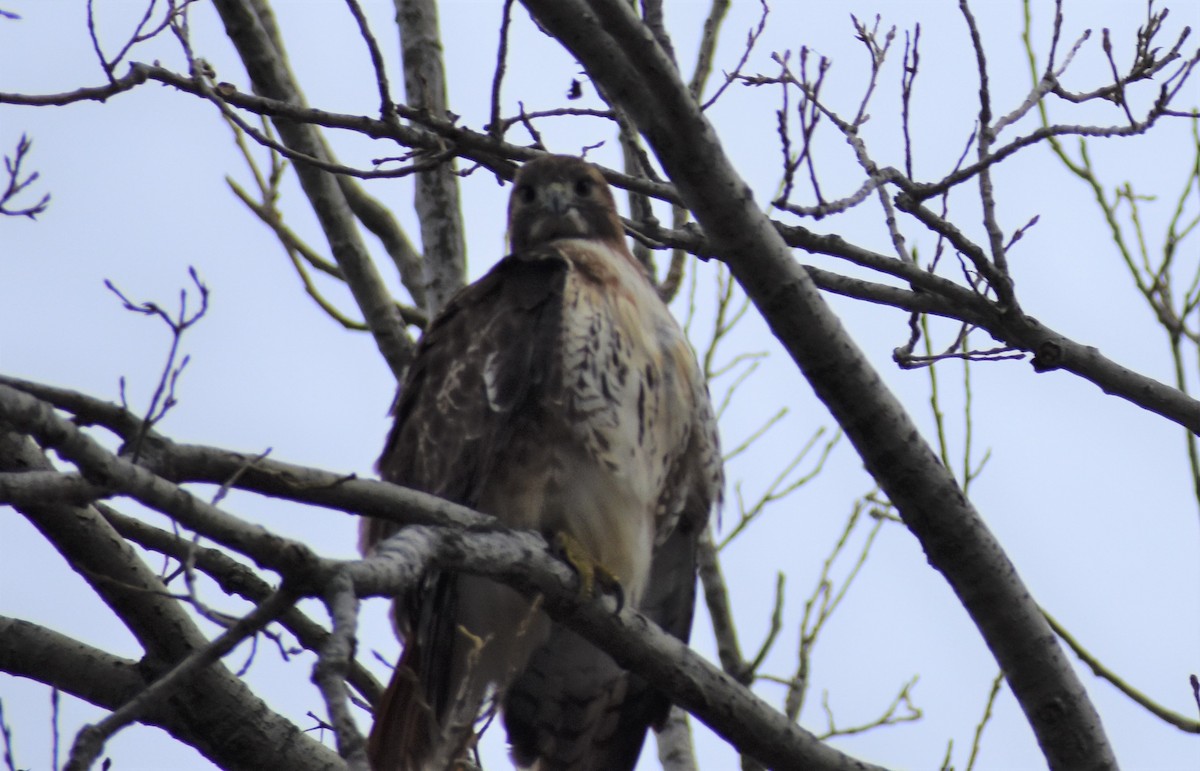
(558, 394)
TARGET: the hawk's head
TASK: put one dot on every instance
(561, 196)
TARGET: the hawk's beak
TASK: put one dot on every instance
(557, 199)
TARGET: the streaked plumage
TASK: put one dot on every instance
(556, 393)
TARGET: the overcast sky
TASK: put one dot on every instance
(1089, 494)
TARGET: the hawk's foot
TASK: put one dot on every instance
(592, 574)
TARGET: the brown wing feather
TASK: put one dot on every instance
(474, 371)
(446, 426)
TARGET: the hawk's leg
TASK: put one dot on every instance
(591, 572)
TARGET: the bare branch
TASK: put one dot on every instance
(89, 742)
(387, 106)
(166, 632)
(522, 560)
(232, 577)
(997, 682)
(269, 73)
(436, 197)
(334, 666)
(163, 398)
(1103, 672)
(16, 184)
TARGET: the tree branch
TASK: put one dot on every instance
(522, 560)
(223, 719)
(436, 197)
(617, 50)
(36, 653)
(270, 76)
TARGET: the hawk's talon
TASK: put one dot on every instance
(591, 572)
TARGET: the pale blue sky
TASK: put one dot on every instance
(1089, 495)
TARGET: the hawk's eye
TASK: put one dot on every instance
(583, 187)
(526, 193)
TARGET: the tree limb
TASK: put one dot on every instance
(436, 196)
(520, 559)
(270, 76)
(616, 49)
(221, 717)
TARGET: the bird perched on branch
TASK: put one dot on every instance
(558, 394)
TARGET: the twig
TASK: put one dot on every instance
(889, 717)
(1103, 672)
(163, 398)
(776, 626)
(780, 488)
(15, 184)
(6, 733)
(996, 270)
(495, 126)
(751, 40)
(825, 602)
(716, 597)
(908, 79)
(976, 741)
(138, 35)
(387, 107)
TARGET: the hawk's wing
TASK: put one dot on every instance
(477, 364)
(475, 369)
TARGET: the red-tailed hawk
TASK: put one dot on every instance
(557, 394)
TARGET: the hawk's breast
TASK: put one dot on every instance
(617, 418)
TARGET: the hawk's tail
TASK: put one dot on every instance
(423, 721)
(403, 735)
(573, 709)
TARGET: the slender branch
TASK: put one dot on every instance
(977, 739)
(298, 250)
(161, 626)
(387, 106)
(269, 73)
(17, 183)
(42, 655)
(232, 577)
(496, 127)
(1173, 718)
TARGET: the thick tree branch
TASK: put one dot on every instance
(619, 51)
(522, 560)
(436, 196)
(219, 715)
(90, 740)
(233, 578)
(97, 677)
